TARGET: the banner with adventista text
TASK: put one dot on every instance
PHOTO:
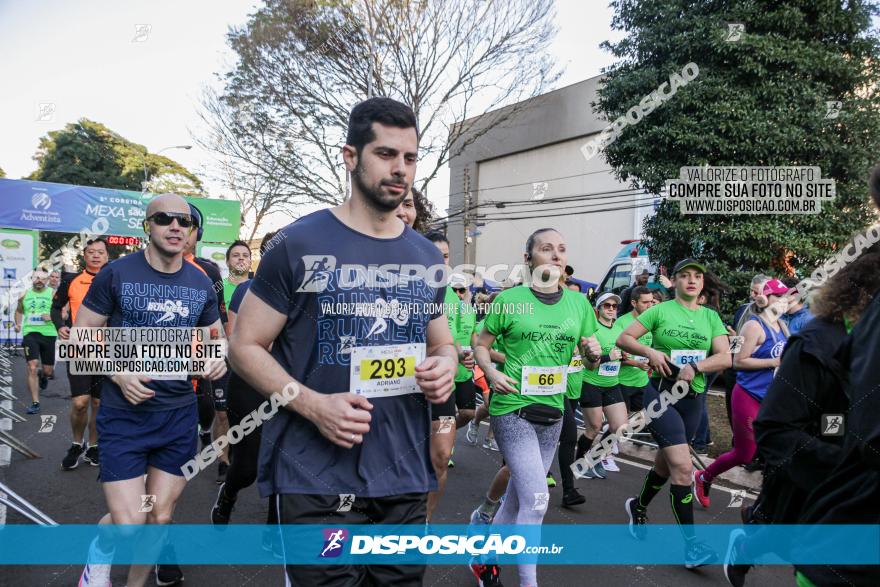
(59, 207)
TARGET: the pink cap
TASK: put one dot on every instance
(774, 287)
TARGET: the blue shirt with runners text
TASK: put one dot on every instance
(133, 294)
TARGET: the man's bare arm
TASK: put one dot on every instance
(343, 418)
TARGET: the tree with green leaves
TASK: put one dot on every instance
(759, 100)
(89, 153)
(2, 173)
(279, 122)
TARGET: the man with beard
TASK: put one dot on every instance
(365, 352)
(33, 320)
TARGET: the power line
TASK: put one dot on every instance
(572, 213)
(513, 185)
(557, 199)
(610, 194)
(620, 199)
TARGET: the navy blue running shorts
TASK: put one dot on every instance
(132, 441)
(678, 423)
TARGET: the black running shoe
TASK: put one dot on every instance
(205, 437)
(91, 456)
(572, 497)
(71, 460)
(735, 571)
(44, 381)
(638, 519)
(697, 554)
(222, 468)
(168, 575)
(222, 509)
(487, 575)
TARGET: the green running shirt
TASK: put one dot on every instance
(606, 374)
(35, 304)
(629, 375)
(677, 330)
(546, 337)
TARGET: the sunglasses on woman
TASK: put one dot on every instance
(166, 218)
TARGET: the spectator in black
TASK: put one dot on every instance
(848, 495)
(791, 428)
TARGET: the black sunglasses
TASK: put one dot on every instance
(459, 289)
(612, 306)
(166, 218)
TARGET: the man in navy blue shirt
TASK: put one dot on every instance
(147, 427)
(364, 340)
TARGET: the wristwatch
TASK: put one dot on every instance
(696, 369)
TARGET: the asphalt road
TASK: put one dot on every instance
(75, 497)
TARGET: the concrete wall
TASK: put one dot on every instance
(539, 142)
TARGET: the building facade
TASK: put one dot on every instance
(522, 168)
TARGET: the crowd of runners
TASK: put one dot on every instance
(379, 396)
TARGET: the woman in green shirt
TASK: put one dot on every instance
(541, 326)
(688, 340)
(600, 393)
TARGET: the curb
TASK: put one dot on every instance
(737, 476)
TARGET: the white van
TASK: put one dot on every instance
(630, 261)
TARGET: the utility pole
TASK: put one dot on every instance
(466, 216)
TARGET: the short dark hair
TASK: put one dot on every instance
(639, 291)
(236, 244)
(874, 185)
(385, 111)
(435, 236)
(92, 241)
(264, 244)
(790, 282)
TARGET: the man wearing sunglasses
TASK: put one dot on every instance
(147, 425)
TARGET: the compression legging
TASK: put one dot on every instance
(528, 451)
(567, 444)
(744, 409)
(243, 456)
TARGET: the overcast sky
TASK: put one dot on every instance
(139, 67)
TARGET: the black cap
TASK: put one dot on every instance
(684, 263)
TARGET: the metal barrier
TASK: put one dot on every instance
(11, 499)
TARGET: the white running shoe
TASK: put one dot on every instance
(490, 444)
(473, 433)
(97, 570)
(95, 576)
(610, 465)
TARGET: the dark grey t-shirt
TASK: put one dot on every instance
(305, 277)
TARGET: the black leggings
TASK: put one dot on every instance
(242, 399)
(568, 444)
(243, 456)
(205, 400)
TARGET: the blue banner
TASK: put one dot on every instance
(572, 544)
(59, 207)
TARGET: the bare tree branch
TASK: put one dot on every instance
(278, 124)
